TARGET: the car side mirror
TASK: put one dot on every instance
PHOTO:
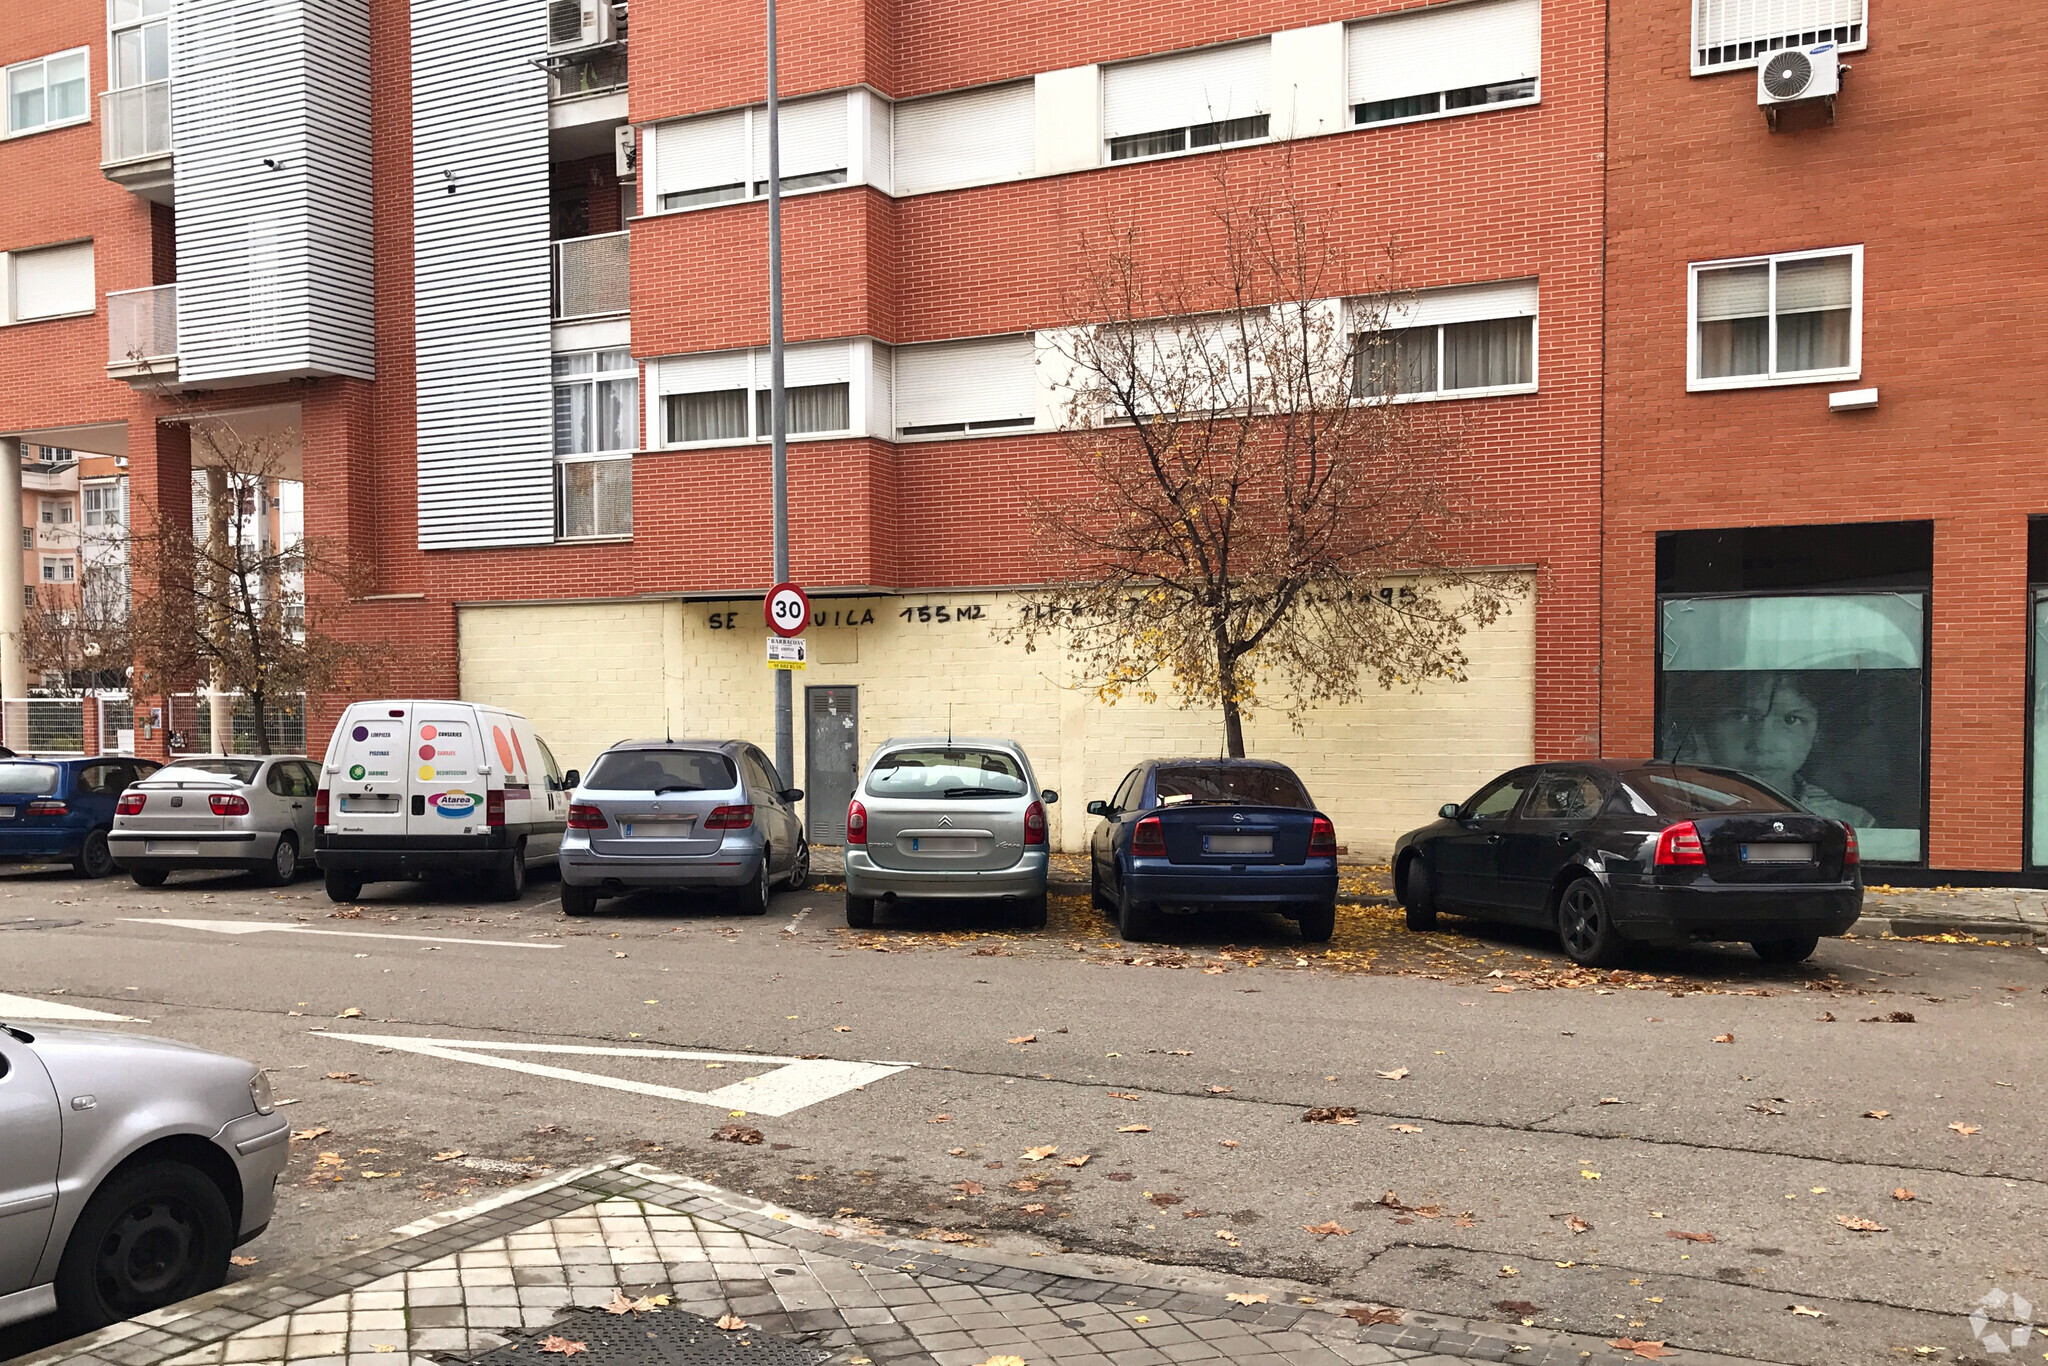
(792, 794)
(1048, 796)
(572, 780)
(1098, 808)
(1449, 811)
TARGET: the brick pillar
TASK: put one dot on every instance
(338, 472)
(89, 723)
(1977, 742)
(159, 494)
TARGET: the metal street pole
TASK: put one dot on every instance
(785, 739)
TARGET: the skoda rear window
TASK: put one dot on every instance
(662, 770)
(946, 772)
(1229, 785)
(27, 780)
(1686, 792)
(233, 770)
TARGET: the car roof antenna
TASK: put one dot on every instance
(949, 725)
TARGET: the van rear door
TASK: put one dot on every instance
(445, 772)
(365, 771)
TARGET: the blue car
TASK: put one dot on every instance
(59, 810)
(1185, 835)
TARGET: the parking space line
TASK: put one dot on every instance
(273, 927)
(29, 1008)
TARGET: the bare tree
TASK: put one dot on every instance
(1259, 520)
(78, 633)
(227, 606)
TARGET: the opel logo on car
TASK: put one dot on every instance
(1778, 826)
(1237, 816)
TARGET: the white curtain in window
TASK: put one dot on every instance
(1489, 355)
(1187, 88)
(1443, 47)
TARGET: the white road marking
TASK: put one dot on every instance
(28, 1008)
(272, 926)
(790, 1085)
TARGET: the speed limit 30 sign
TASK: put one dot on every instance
(787, 609)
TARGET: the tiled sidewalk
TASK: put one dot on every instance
(506, 1273)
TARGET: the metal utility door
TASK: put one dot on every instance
(831, 760)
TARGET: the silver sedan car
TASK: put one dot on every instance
(683, 814)
(130, 1168)
(947, 819)
(248, 811)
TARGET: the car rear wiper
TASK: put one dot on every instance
(979, 792)
(677, 787)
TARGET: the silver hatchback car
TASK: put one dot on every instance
(947, 818)
(130, 1168)
(682, 814)
(249, 811)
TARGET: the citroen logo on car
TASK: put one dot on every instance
(946, 821)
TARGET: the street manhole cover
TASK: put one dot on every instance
(36, 923)
(669, 1337)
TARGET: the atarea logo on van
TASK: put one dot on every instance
(455, 805)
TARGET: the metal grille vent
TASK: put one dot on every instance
(1787, 75)
(565, 21)
(672, 1337)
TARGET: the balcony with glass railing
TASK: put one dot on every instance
(142, 334)
(135, 138)
(592, 279)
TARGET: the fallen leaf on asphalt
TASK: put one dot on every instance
(242, 1261)
(939, 1235)
(1080, 1161)
(1033, 1209)
(1721, 1038)
(1405, 1128)
(1964, 1129)
(1025, 1038)
(1901, 1193)
(1396, 1074)
(737, 1133)
(842, 1029)
(1240, 1297)
(969, 1187)
(378, 1176)
(1361, 1314)
(1180, 1053)
(1331, 1114)
(1116, 1176)
(1134, 1128)
(353, 1077)
(328, 1160)
(1163, 1199)
(1803, 1312)
(938, 1119)
(1576, 1224)
(1692, 1237)
(1040, 1154)
(1004, 1361)
(1328, 1229)
(1025, 1184)
(1652, 1350)
(1227, 1236)
(302, 1135)
(448, 1156)
(350, 1014)
(1590, 1176)
(561, 1346)
(956, 1152)
(1125, 1095)
(1825, 1018)
(1855, 1225)
(1522, 1307)
(1877, 1114)
(1219, 1090)
(731, 1323)
(1508, 1271)
(1610, 1100)
(1228, 1142)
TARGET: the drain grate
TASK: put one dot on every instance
(35, 922)
(671, 1337)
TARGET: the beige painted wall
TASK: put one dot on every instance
(590, 674)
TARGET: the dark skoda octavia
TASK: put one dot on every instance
(1613, 853)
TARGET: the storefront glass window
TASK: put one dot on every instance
(2037, 824)
(1821, 697)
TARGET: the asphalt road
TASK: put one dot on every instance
(1711, 1176)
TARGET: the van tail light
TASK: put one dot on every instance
(1322, 839)
(1849, 855)
(131, 804)
(321, 806)
(582, 817)
(729, 818)
(1679, 847)
(494, 807)
(1034, 825)
(1148, 839)
(856, 823)
(47, 806)
(228, 804)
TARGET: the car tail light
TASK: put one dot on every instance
(1849, 855)
(1679, 847)
(856, 823)
(1148, 839)
(494, 807)
(47, 806)
(1034, 825)
(321, 806)
(228, 804)
(729, 818)
(1322, 839)
(582, 817)
(131, 804)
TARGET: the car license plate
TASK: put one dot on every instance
(657, 830)
(374, 805)
(942, 844)
(1777, 853)
(169, 847)
(1237, 844)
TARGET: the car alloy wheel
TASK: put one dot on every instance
(284, 863)
(1584, 925)
(95, 859)
(800, 871)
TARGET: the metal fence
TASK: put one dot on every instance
(117, 723)
(43, 724)
(592, 275)
(189, 725)
(142, 324)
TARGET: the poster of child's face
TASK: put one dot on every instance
(1842, 743)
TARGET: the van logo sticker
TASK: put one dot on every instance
(519, 750)
(357, 772)
(428, 732)
(455, 805)
(426, 773)
(504, 750)
(360, 733)
(426, 751)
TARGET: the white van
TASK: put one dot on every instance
(416, 789)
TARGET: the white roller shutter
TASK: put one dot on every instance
(1443, 47)
(698, 154)
(816, 363)
(53, 281)
(990, 379)
(1729, 33)
(971, 138)
(1186, 88)
(1737, 292)
(813, 137)
(703, 374)
(1457, 304)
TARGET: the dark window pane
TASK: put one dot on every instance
(1148, 144)
(946, 773)
(1406, 107)
(1701, 792)
(1228, 130)
(1474, 95)
(651, 770)
(1247, 785)
(711, 194)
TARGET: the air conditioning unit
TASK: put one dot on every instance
(579, 23)
(1799, 73)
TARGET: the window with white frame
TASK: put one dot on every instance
(59, 569)
(705, 399)
(49, 282)
(969, 137)
(1792, 318)
(1730, 34)
(723, 157)
(1459, 342)
(1443, 59)
(1187, 101)
(964, 388)
(48, 92)
(138, 42)
(597, 425)
(105, 503)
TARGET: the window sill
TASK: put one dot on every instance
(618, 538)
(48, 318)
(79, 122)
(593, 457)
(740, 443)
(1453, 395)
(751, 199)
(1714, 386)
(1443, 114)
(923, 438)
(1107, 164)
